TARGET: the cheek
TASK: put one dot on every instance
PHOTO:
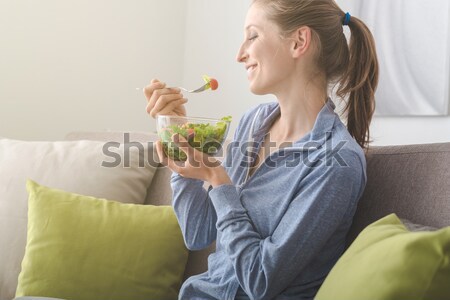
(277, 62)
(273, 54)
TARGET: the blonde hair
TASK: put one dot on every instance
(352, 66)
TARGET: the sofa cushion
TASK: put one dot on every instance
(160, 191)
(74, 166)
(82, 247)
(37, 298)
(408, 180)
(388, 262)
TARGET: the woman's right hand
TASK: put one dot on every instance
(163, 100)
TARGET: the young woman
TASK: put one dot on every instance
(280, 209)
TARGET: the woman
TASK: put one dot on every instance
(280, 210)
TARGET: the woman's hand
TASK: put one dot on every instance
(198, 165)
(163, 100)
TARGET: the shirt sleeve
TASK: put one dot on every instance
(193, 207)
(195, 212)
(264, 266)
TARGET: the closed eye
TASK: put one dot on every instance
(253, 37)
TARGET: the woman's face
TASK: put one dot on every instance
(265, 53)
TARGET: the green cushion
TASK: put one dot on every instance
(388, 262)
(81, 247)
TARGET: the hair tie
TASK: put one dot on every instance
(346, 19)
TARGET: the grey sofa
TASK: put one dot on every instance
(412, 181)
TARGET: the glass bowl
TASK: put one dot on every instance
(204, 134)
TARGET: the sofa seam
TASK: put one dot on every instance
(401, 153)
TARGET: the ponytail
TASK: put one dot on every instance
(359, 81)
(353, 67)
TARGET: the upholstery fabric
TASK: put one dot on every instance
(81, 247)
(388, 262)
(409, 180)
(159, 192)
(74, 166)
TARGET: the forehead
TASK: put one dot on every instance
(257, 17)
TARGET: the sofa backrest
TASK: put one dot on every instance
(412, 181)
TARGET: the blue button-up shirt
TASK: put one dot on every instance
(279, 232)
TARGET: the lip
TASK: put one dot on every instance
(247, 67)
(250, 69)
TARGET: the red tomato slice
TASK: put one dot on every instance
(213, 84)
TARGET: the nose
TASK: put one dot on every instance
(242, 54)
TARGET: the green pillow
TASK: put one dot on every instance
(388, 262)
(80, 247)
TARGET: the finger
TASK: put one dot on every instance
(157, 93)
(166, 90)
(162, 102)
(172, 106)
(176, 166)
(154, 85)
(183, 144)
(159, 150)
(164, 160)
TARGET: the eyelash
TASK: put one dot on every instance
(253, 38)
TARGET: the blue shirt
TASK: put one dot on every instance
(279, 232)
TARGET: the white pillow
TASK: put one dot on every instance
(73, 166)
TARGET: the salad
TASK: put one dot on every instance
(212, 83)
(205, 137)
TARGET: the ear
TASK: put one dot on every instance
(301, 41)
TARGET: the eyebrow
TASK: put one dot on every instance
(251, 25)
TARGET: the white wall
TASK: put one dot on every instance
(68, 66)
(214, 33)
(407, 129)
(75, 65)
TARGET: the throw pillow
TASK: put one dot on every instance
(86, 248)
(74, 166)
(388, 262)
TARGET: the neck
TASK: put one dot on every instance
(299, 108)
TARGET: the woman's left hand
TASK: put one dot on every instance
(198, 165)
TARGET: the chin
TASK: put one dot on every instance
(258, 89)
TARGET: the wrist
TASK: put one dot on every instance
(218, 176)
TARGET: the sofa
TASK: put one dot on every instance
(412, 181)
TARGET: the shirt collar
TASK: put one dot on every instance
(314, 139)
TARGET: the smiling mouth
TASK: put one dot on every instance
(250, 68)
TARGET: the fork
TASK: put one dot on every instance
(198, 90)
(211, 83)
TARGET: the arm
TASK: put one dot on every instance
(194, 211)
(193, 207)
(264, 266)
(192, 204)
